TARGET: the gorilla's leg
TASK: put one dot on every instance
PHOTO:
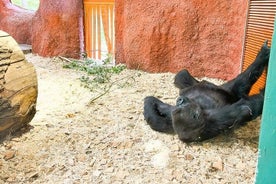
(242, 84)
(184, 79)
(158, 114)
(231, 116)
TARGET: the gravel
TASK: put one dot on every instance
(71, 140)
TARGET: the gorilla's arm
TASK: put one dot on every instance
(158, 114)
(228, 117)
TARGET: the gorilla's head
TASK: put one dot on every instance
(187, 120)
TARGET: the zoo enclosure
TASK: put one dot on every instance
(99, 28)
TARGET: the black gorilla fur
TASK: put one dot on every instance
(203, 110)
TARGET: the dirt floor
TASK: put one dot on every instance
(73, 141)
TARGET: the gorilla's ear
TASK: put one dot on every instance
(183, 79)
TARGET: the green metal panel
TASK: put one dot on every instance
(266, 168)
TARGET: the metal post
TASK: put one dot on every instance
(266, 168)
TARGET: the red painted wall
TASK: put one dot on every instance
(206, 37)
(56, 28)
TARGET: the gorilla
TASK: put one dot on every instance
(204, 110)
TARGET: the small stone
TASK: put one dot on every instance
(120, 175)
(109, 170)
(16, 139)
(115, 144)
(103, 162)
(70, 115)
(240, 166)
(9, 155)
(189, 157)
(217, 165)
(33, 175)
(169, 175)
(11, 179)
(71, 162)
(97, 173)
(178, 175)
(161, 159)
(91, 164)
(128, 144)
(81, 158)
(8, 146)
(175, 147)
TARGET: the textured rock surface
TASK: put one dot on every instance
(205, 37)
(16, 21)
(56, 28)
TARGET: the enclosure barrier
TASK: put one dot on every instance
(260, 24)
(266, 168)
(99, 28)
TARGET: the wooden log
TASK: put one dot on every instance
(18, 87)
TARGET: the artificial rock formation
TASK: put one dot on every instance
(205, 37)
(18, 87)
(56, 28)
(16, 21)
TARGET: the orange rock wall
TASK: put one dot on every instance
(16, 21)
(56, 28)
(205, 37)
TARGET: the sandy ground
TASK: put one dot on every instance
(108, 141)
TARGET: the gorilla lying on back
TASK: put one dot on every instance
(203, 110)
